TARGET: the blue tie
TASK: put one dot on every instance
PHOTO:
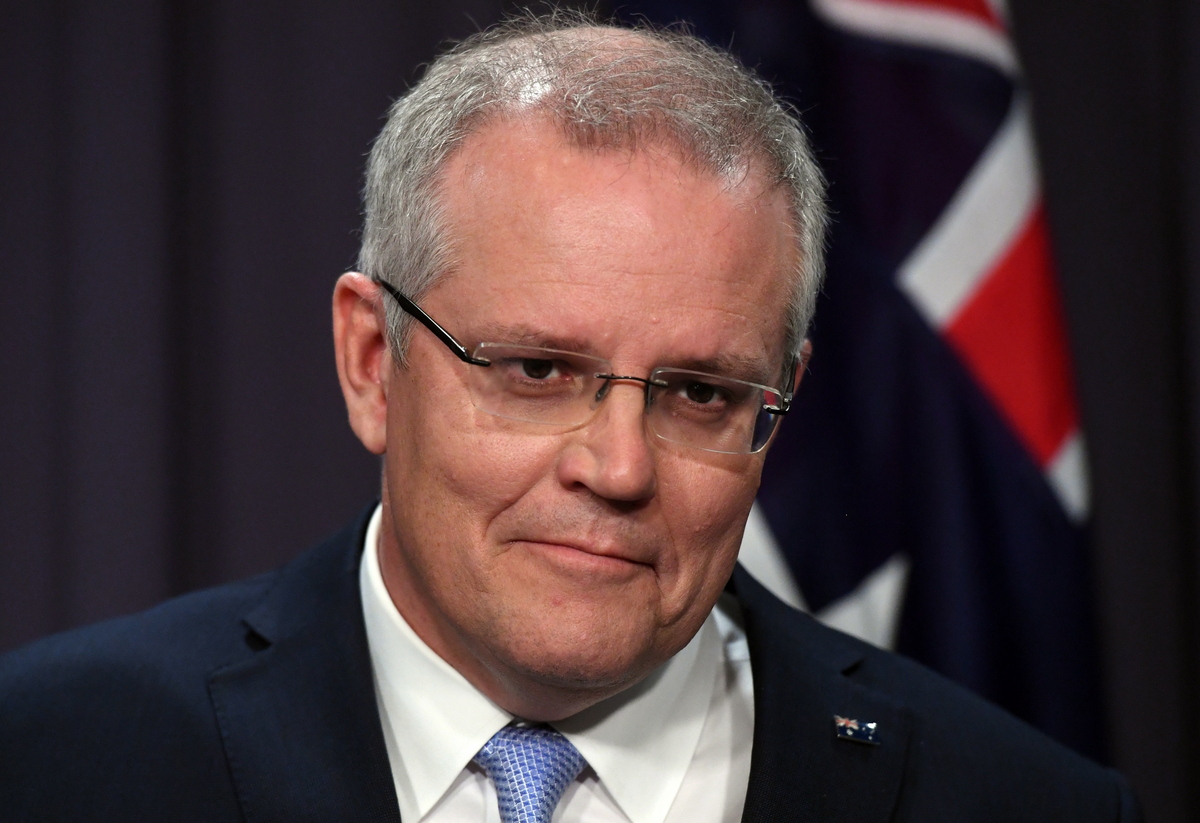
(531, 767)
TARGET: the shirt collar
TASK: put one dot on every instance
(640, 742)
(439, 720)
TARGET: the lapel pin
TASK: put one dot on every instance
(850, 729)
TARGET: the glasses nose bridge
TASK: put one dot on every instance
(609, 379)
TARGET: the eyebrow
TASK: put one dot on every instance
(722, 364)
(522, 335)
(729, 364)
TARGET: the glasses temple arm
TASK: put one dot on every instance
(785, 398)
(460, 351)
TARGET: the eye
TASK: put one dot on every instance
(537, 369)
(702, 393)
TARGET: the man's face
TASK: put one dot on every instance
(531, 557)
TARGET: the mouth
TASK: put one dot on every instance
(591, 559)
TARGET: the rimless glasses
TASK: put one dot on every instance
(562, 388)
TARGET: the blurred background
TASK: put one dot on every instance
(997, 448)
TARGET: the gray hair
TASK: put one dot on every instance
(604, 87)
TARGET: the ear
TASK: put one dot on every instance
(802, 364)
(364, 363)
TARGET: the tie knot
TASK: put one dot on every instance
(531, 767)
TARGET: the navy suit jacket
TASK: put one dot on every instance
(254, 702)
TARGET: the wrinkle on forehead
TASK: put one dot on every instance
(748, 181)
(531, 209)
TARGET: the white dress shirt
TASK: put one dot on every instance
(675, 748)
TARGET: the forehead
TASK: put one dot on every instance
(634, 254)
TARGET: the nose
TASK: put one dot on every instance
(611, 455)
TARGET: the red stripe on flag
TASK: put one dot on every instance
(979, 9)
(1012, 336)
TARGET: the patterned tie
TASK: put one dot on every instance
(531, 767)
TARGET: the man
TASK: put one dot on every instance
(589, 261)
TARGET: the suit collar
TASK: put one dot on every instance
(297, 713)
(804, 676)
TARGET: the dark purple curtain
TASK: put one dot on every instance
(1116, 90)
(179, 188)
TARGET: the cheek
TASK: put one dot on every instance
(706, 505)
(455, 469)
(490, 471)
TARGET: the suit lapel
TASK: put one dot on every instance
(298, 715)
(803, 677)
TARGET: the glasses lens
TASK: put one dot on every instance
(764, 425)
(560, 388)
(717, 414)
(536, 385)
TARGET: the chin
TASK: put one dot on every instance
(587, 675)
(582, 663)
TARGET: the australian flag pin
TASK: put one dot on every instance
(850, 729)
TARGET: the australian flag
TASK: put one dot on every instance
(929, 489)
